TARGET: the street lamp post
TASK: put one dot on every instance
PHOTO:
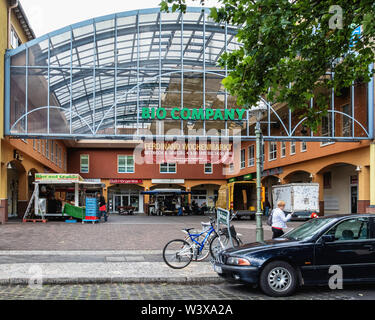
(258, 111)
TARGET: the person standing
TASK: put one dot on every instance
(102, 206)
(279, 220)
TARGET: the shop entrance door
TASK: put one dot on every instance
(124, 200)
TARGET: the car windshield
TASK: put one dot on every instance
(308, 229)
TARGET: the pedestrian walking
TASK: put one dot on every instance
(279, 220)
(102, 207)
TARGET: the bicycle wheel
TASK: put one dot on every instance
(218, 244)
(206, 248)
(177, 254)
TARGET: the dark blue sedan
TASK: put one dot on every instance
(314, 253)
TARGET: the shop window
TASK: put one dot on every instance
(292, 147)
(327, 180)
(272, 150)
(243, 159)
(84, 163)
(283, 149)
(208, 168)
(251, 159)
(168, 168)
(125, 164)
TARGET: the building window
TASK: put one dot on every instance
(326, 130)
(327, 180)
(39, 145)
(303, 146)
(65, 161)
(283, 149)
(168, 168)
(231, 167)
(52, 154)
(44, 147)
(346, 121)
(292, 147)
(56, 155)
(263, 152)
(243, 158)
(251, 159)
(125, 164)
(208, 168)
(272, 150)
(47, 149)
(84, 163)
(59, 160)
(34, 144)
(14, 39)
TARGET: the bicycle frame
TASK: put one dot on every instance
(194, 236)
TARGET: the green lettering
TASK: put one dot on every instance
(209, 113)
(240, 113)
(197, 114)
(174, 110)
(185, 114)
(230, 114)
(145, 113)
(164, 113)
(218, 115)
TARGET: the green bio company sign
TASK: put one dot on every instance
(193, 114)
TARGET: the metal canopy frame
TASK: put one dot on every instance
(91, 80)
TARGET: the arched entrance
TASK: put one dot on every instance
(267, 183)
(16, 176)
(205, 194)
(124, 195)
(298, 177)
(340, 188)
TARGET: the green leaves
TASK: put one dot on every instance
(289, 46)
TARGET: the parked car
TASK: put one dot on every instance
(304, 255)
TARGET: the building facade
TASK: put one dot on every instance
(21, 158)
(136, 77)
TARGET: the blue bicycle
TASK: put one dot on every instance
(178, 253)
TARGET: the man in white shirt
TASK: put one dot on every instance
(279, 220)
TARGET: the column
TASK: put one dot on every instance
(363, 189)
(318, 178)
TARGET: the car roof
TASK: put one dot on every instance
(349, 215)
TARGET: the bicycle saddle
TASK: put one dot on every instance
(187, 229)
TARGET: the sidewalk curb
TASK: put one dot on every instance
(113, 280)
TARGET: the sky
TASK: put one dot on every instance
(49, 15)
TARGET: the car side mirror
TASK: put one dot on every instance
(327, 238)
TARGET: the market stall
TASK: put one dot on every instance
(166, 201)
(60, 195)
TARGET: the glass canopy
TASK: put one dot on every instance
(95, 78)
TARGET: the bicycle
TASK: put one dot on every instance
(222, 240)
(178, 253)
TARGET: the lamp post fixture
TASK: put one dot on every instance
(258, 112)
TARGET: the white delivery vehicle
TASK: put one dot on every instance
(302, 199)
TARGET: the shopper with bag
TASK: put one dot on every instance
(102, 206)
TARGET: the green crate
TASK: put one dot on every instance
(75, 212)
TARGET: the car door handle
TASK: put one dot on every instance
(369, 246)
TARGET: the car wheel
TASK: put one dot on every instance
(278, 279)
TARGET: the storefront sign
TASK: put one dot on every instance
(125, 181)
(182, 152)
(248, 176)
(57, 177)
(193, 114)
(168, 180)
(272, 172)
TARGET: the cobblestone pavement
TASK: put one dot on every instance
(173, 292)
(120, 233)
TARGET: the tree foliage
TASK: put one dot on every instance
(288, 46)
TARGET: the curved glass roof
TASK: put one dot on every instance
(93, 77)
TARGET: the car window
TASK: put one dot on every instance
(352, 229)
